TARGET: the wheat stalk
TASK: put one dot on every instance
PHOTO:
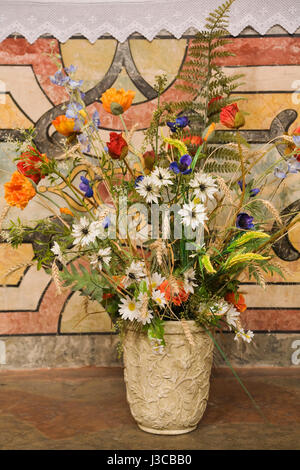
(3, 214)
(15, 268)
(160, 249)
(144, 308)
(187, 332)
(224, 188)
(56, 278)
(260, 275)
(272, 209)
(173, 283)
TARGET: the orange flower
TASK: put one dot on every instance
(19, 190)
(117, 101)
(64, 125)
(168, 290)
(239, 304)
(65, 210)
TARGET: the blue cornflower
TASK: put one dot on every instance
(179, 123)
(85, 187)
(253, 192)
(183, 165)
(59, 78)
(244, 221)
(73, 109)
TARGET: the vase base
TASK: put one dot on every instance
(167, 431)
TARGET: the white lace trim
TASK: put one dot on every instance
(121, 18)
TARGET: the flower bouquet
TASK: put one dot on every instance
(159, 234)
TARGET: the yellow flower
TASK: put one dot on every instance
(19, 190)
(117, 101)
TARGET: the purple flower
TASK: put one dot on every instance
(75, 84)
(244, 221)
(85, 187)
(59, 78)
(106, 222)
(179, 123)
(293, 165)
(138, 180)
(183, 165)
(280, 173)
(73, 109)
(296, 139)
(253, 192)
(71, 69)
(84, 141)
(96, 118)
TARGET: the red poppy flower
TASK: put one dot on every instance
(30, 164)
(117, 146)
(232, 117)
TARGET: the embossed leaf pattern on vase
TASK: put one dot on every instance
(168, 392)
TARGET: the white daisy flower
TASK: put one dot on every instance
(130, 308)
(57, 252)
(193, 215)
(219, 308)
(232, 316)
(146, 318)
(157, 347)
(155, 281)
(245, 336)
(85, 232)
(189, 277)
(161, 177)
(134, 273)
(148, 189)
(100, 258)
(203, 186)
(159, 298)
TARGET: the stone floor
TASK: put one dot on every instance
(86, 408)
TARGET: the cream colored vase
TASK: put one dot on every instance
(167, 393)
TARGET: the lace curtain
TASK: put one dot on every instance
(121, 18)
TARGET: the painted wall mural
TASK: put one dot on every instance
(28, 302)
